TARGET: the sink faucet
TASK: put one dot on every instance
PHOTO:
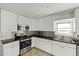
(62, 37)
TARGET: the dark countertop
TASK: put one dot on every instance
(45, 37)
(52, 38)
(8, 40)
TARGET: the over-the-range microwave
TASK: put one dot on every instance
(22, 27)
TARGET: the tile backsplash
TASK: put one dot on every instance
(6, 35)
(47, 33)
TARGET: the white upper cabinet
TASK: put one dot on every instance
(47, 24)
(34, 25)
(41, 25)
(22, 20)
(8, 21)
(63, 49)
(77, 20)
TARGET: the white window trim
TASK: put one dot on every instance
(72, 20)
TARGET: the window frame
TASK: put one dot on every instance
(70, 20)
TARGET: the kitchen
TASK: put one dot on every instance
(52, 34)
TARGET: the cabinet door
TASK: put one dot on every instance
(77, 20)
(37, 25)
(40, 25)
(47, 45)
(68, 51)
(35, 42)
(15, 48)
(8, 21)
(11, 49)
(52, 48)
(33, 25)
(42, 44)
(47, 24)
(56, 50)
(13, 22)
(7, 51)
(20, 20)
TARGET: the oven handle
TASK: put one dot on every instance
(25, 40)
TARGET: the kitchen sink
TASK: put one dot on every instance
(75, 40)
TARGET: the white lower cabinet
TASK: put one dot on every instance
(56, 50)
(11, 49)
(67, 51)
(63, 49)
(41, 44)
(47, 46)
(54, 47)
(35, 42)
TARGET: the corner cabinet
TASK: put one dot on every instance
(8, 21)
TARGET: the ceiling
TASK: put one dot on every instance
(35, 10)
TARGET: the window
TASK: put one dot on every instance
(64, 27)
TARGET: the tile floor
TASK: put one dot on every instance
(36, 52)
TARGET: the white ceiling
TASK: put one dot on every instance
(37, 9)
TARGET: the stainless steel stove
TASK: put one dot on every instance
(25, 45)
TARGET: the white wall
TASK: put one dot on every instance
(6, 35)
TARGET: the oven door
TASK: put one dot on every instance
(25, 44)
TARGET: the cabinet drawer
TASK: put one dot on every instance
(16, 43)
(12, 44)
(7, 45)
(69, 45)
